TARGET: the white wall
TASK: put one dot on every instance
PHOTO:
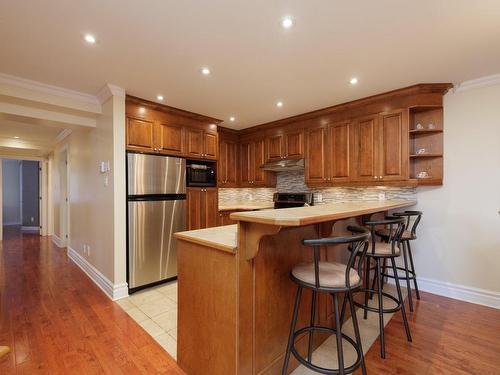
(11, 192)
(459, 238)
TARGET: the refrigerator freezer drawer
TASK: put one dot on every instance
(152, 247)
(155, 174)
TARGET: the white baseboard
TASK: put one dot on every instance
(30, 228)
(113, 291)
(461, 292)
(58, 242)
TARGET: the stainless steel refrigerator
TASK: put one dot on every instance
(156, 200)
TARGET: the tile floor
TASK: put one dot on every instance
(155, 309)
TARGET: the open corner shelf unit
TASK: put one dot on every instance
(426, 144)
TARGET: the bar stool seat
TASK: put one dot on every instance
(384, 249)
(331, 274)
(385, 233)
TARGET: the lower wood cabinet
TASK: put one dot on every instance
(224, 218)
(202, 208)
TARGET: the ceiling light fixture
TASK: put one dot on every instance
(205, 71)
(287, 22)
(231, 119)
(159, 97)
(279, 104)
(353, 81)
(89, 38)
(16, 137)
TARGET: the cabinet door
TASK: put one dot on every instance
(246, 165)
(231, 164)
(210, 208)
(275, 147)
(170, 139)
(194, 203)
(140, 134)
(367, 138)
(315, 171)
(222, 165)
(259, 175)
(294, 145)
(393, 146)
(210, 145)
(340, 151)
(194, 142)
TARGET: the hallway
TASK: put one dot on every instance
(56, 321)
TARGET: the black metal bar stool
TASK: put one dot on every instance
(332, 278)
(412, 220)
(379, 252)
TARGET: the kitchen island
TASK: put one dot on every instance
(235, 295)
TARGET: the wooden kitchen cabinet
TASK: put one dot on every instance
(224, 218)
(227, 175)
(140, 134)
(367, 139)
(329, 154)
(170, 139)
(288, 145)
(201, 144)
(202, 208)
(252, 156)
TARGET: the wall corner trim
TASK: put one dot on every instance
(113, 291)
(108, 91)
(477, 83)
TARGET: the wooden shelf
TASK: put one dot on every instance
(425, 131)
(429, 181)
(426, 155)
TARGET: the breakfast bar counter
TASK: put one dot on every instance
(235, 295)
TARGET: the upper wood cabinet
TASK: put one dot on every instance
(329, 154)
(228, 159)
(382, 147)
(202, 208)
(288, 145)
(151, 127)
(252, 156)
(140, 134)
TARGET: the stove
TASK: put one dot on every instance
(287, 200)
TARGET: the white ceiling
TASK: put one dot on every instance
(158, 47)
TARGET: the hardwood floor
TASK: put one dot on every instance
(449, 337)
(56, 321)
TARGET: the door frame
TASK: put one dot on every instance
(64, 207)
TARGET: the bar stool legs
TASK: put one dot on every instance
(400, 296)
(313, 316)
(413, 271)
(404, 245)
(292, 330)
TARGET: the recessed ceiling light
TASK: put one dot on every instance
(353, 81)
(279, 104)
(205, 71)
(159, 97)
(142, 109)
(89, 38)
(231, 119)
(16, 137)
(287, 22)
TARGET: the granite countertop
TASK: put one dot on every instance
(318, 214)
(221, 238)
(245, 206)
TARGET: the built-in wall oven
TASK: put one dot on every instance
(200, 173)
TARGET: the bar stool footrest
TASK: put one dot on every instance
(375, 309)
(324, 370)
(401, 277)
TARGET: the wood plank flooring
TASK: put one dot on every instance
(58, 322)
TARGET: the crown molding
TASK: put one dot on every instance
(63, 134)
(108, 91)
(48, 89)
(477, 83)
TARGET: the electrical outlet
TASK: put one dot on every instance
(318, 197)
(88, 250)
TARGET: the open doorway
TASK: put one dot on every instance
(20, 196)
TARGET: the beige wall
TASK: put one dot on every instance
(459, 240)
(97, 209)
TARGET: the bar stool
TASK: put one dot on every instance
(379, 252)
(412, 220)
(332, 278)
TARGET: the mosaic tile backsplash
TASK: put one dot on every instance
(293, 181)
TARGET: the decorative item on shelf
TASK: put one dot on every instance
(419, 126)
(423, 174)
(421, 151)
(431, 126)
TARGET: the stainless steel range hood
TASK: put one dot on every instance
(284, 165)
